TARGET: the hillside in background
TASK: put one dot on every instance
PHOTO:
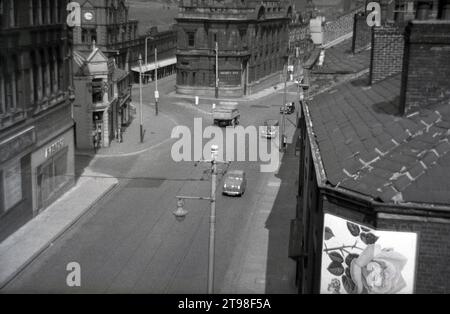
(162, 13)
(149, 13)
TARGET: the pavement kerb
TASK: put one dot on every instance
(104, 194)
(134, 153)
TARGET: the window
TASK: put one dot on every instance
(93, 35)
(12, 14)
(2, 87)
(44, 9)
(84, 35)
(191, 39)
(97, 90)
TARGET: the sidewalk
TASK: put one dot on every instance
(205, 103)
(23, 246)
(157, 129)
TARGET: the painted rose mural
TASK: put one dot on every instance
(360, 260)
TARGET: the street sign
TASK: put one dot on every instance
(156, 94)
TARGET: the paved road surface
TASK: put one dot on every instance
(131, 242)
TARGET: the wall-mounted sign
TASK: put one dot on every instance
(360, 260)
(12, 185)
(54, 148)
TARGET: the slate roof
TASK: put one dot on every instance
(340, 60)
(119, 74)
(367, 147)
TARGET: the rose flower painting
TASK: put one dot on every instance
(360, 260)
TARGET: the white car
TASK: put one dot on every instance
(270, 128)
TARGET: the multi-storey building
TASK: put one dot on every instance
(157, 48)
(252, 41)
(102, 106)
(107, 23)
(300, 42)
(36, 126)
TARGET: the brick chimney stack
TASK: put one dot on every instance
(426, 66)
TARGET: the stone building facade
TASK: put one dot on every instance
(36, 126)
(300, 42)
(107, 23)
(102, 99)
(252, 39)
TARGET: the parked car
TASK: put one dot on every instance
(288, 109)
(270, 129)
(234, 183)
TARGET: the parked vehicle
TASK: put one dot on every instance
(234, 183)
(288, 109)
(270, 129)
(226, 114)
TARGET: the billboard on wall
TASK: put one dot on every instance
(360, 260)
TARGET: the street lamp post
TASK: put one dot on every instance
(217, 70)
(156, 70)
(156, 81)
(141, 132)
(181, 213)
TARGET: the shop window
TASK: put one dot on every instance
(11, 186)
(51, 176)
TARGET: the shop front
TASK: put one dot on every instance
(53, 166)
(15, 181)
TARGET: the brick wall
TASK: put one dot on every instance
(427, 66)
(362, 33)
(433, 252)
(343, 25)
(387, 52)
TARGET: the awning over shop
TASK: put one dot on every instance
(151, 66)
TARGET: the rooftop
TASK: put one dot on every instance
(367, 147)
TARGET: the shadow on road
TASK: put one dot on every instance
(280, 270)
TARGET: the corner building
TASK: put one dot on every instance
(252, 39)
(36, 126)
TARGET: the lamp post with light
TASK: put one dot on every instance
(180, 213)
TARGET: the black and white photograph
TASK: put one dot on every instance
(238, 148)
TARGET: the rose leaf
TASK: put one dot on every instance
(348, 284)
(368, 238)
(335, 256)
(347, 272)
(336, 268)
(350, 257)
(328, 233)
(354, 229)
